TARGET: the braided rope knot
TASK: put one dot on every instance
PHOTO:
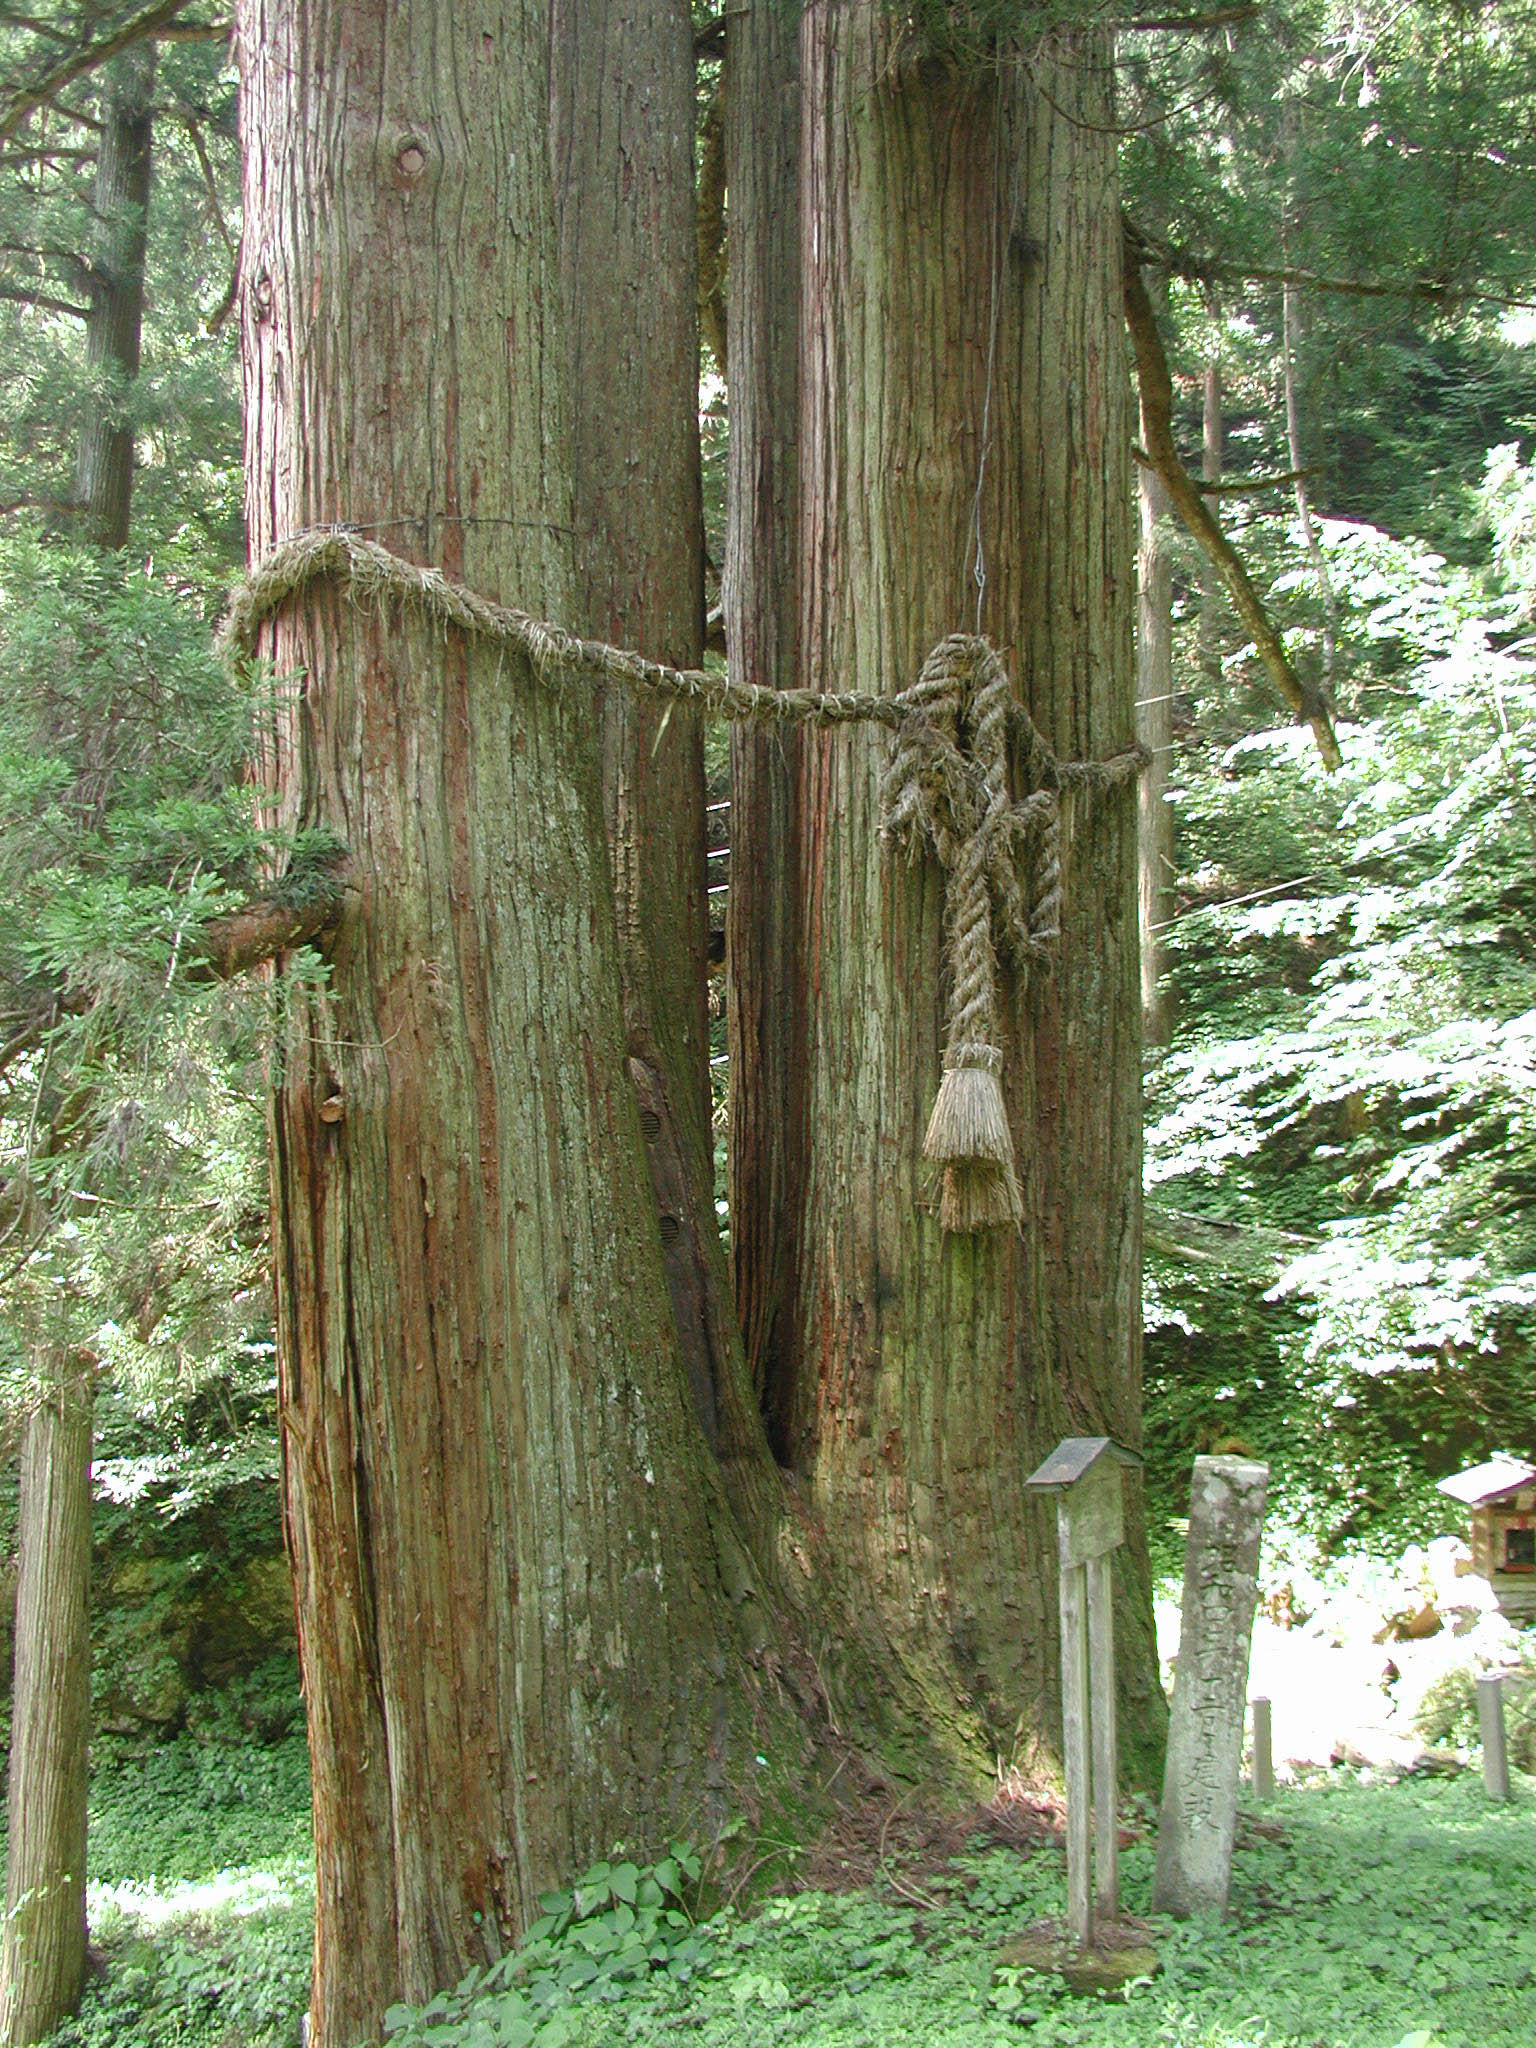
(948, 787)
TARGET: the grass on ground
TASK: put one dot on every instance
(1363, 1916)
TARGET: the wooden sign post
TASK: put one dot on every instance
(1084, 1474)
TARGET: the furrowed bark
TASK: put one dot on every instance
(525, 1626)
(934, 1372)
(1157, 420)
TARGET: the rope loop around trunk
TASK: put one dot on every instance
(961, 741)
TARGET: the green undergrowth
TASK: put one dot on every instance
(1362, 1917)
(201, 1896)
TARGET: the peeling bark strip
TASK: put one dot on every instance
(511, 1550)
(1157, 425)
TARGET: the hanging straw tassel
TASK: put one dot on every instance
(968, 1136)
(948, 788)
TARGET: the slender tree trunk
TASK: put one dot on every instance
(956, 220)
(761, 603)
(42, 1961)
(104, 466)
(1296, 447)
(1212, 432)
(622, 111)
(42, 1966)
(1212, 462)
(524, 1614)
(1295, 441)
(1154, 728)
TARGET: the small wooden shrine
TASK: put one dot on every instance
(1502, 1497)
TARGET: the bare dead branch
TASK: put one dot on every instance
(31, 23)
(58, 508)
(210, 184)
(1188, 263)
(45, 155)
(226, 305)
(1196, 24)
(1237, 487)
(1156, 386)
(43, 301)
(195, 32)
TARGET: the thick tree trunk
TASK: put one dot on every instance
(959, 223)
(765, 1007)
(1154, 728)
(42, 1965)
(622, 150)
(511, 1555)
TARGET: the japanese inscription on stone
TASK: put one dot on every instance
(1205, 1735)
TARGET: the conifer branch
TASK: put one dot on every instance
(259, 930)
(161, 19)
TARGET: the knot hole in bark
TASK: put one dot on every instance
(410, 160)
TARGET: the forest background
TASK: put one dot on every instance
(1333, 210)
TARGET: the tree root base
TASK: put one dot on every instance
(1120, 1952)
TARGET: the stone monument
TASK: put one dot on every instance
(1205, 1734)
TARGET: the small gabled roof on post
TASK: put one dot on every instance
(1073, 1458)
(1482, 1484)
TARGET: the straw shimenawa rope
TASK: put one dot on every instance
(962, 741)
(948, 787)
